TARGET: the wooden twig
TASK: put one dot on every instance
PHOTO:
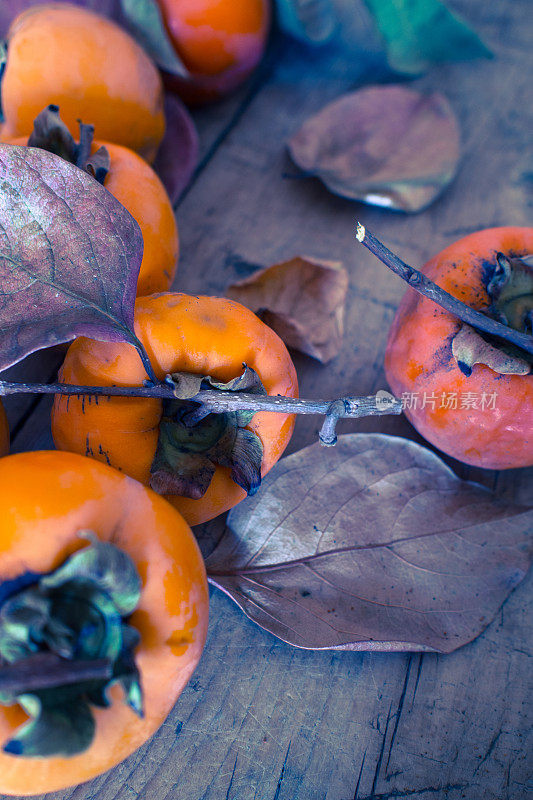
(213, 401)
(422, 284)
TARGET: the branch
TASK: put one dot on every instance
(48, 671)
(418, 281)
(212, 401)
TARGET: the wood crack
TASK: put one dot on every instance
(232, 776)
(282, 773)
(380, 757)
(261, 77)
(412, 792)
(356, 793)
(399, 711)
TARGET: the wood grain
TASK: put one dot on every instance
(261, 720)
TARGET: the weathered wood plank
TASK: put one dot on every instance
(260, 719)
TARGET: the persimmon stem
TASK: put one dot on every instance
(422, 284)
(212, 401)
(145, 360)
(49, 671)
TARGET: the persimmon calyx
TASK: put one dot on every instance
(51, 134)
(509, 285)
(193, 442)
(77, 613)
(470, 348)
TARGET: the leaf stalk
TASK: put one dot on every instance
(423, 285)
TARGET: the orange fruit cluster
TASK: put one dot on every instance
(69, 64)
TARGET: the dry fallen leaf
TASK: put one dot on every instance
(384, 145)
(372, 545)
(302, 300)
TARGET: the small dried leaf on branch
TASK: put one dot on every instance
(384, 145)
(372, 545)
(302, 300)
(470, 348)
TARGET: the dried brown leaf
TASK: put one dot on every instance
(470, 348)
(384, 145)
(302, 300)
(372, 545)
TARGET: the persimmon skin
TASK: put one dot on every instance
(4, 432)
(204, 335)
(219, 41)
(419, 359)
(91, 68)
(135, 184)
(49, 497)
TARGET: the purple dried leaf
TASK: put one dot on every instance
(70, 255)
(384, 145)
(372, 545)
(177, 156)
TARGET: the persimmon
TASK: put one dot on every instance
(50, 498)
(202, 336)
(134, 184)
(220, 42)
(4, 432)
(466, 394)
(88, 66)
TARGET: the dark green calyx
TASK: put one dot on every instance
(509, 284)
(75, 614)
(189, 451)
(51, 134)
(470, 347)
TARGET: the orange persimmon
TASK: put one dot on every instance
(475, 413)
(200, 335)
(91, 68)
(50, 498)
(135, 184)
(219, 41)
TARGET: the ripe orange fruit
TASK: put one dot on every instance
(49, 497)
(219, 41)
(135, 184)
(200, 335)
(88, 66)
(475, 414)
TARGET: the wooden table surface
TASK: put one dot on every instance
(261, 720)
